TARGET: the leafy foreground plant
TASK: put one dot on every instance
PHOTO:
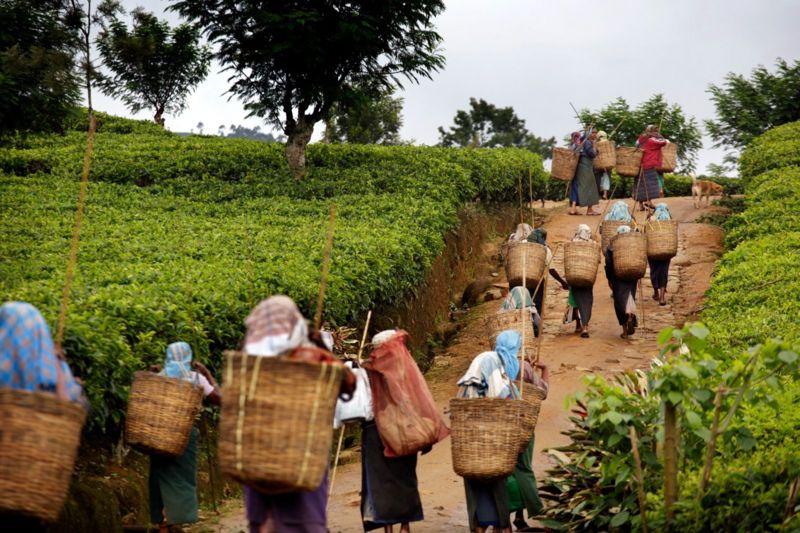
(593, 485)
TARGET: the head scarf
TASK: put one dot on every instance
(584, 233)
(27, 355)
(275, 326)
(521, 233)
(507, 347)
(383, 336)
(602, 136)
(651, 129)
(178, 363)
(662, 212)
(539, 236)
(623, 229)
(619, 212)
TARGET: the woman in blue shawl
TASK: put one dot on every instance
(173, 480)
(487, 501)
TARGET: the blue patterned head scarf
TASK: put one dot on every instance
(619, 212)
(539, 236)
(27, 355)
(662, 212)
(507, 347)
(178, 363)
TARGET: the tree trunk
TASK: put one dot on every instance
(159, 118)
(671, 437)
(298, 139)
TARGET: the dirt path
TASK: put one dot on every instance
(568, 356)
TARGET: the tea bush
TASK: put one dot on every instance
(183, 235)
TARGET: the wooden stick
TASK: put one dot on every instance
(611, 135)
(326, 259)
(524, 327)
(603, 215)
(639, 478)
(341, 433)
(671, 437)
(544, 296)
(76, 231)
(712, 444)
(530, 196)
(519, 194)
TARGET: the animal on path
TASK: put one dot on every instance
(705, 188)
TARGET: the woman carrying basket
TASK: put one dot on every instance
(539, 236)
(173, 480)
(650, 184)
(581, 299)
(623, 291)
(276, 327)
(659, 268)
(583, 189)
(521, 484)
(487, 377)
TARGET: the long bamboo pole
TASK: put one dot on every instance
(543, 282)
(341, 433)
(523, 326)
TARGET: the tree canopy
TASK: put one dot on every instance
(630, 123)
(290, 61)
(39, 83)
(746, 108)
(151, 66)
(487, 125)
(366, 121)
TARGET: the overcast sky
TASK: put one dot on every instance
(538, 56)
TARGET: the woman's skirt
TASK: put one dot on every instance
(521, 485)
(296, 512)
(659, 272)
(173, 486)
(582, 298)
(487, 503)
(389, 493)
(646, 187)
(624, 299)
(584, 184)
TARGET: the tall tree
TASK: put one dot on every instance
(675, 125)
(39, 82)
(151, 66)
(490, 126)
(747, 108)
(290, 61)
(366, 121)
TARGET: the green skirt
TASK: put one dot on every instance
(173, 486)
(521, 485)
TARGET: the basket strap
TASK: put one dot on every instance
(310, 437)
(240, 415)
(254, 379)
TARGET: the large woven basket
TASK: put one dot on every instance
(629, 160)
(630, 256)
(607, 231)
(276, 426)
(505, 320)
(487, 434)
(662, 239)
(606, 158)
(535, 259)
(39, 437)
(161, 412)
(565, 163)
(581, 259)
(669, 158)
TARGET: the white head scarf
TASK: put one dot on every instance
(584, 233)
(623, 229)
(275, 326)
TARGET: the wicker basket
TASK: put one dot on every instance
(161, 412)
(565, 163)
(535, 259)
(606, 158)
(487, 434)
(505, 320)
(581, 259)
(662, 239)
(630, 256)
(276, 427)
(669, 158)
(38, 444)
(629, 160)
(607, 231)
